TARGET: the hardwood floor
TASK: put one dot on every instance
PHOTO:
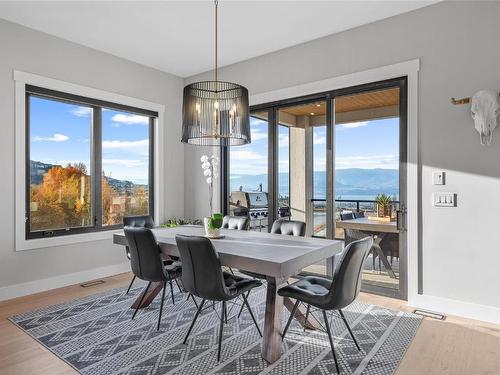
(454, 346)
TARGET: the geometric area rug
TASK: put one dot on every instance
(96, 336)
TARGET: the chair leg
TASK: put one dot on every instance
(251, 314)
(331, 341)
(172, 292)
(349, 329)
(292, 314)
(194, 321)
(130, 285)
(194, 300)
(161, 304)
(142, 298)
(243, 305)
(307, 316)
(221, 327)
(178, 286)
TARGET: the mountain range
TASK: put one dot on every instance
(348, 182)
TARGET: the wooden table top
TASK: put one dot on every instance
(367, 224)
(273, 255)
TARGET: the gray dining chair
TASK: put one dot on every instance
(346, 216)
(327, 295)
(144, 221)
(202, 276)
(235, 222)
(147, 263)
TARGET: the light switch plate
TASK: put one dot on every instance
(438, 178)
(441, 199)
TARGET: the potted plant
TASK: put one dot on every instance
(213, 225)
(384, 205)
(175, 222)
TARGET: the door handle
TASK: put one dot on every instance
(401, 219)
(399, 215)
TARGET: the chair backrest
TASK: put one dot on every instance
(235, 222)
(145, 255)
(289, 227)
(347, 275)
(201, 268)
(137, 221)
(351, 235)
(359, 214)
(144, 221)
(347, 216)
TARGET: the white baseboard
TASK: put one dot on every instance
(31, 287)
(459, 308)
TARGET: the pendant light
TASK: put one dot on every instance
(215, 112)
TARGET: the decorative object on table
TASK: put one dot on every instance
(384, 205)
(213, 225)
(175, 222)
(485, 107)
(209, 166)
(215, 112)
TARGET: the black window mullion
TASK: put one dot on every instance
(151, 182)
(96, 173)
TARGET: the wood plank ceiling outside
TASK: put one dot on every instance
(363, 101)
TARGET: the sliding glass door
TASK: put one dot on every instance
(336, 161)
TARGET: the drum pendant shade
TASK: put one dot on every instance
(215, 113)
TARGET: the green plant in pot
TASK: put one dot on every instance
(384, 205)
(213, 225)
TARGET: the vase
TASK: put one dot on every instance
(384, 210)
(210, 232)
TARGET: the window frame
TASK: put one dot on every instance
(20, 80)
(96, 177)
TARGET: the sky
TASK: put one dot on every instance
(60, 133)
(367, 144)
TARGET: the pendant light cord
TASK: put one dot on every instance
(216, 37)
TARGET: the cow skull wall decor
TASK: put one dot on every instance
(485, 108)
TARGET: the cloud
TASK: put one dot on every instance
(284, 140)
(81, 111)
(130, 119)
(319, 164)
(129, 163)
(352, 125)
(257, 135)
(246, 154)
(55, 138)
(368, 162)
(142, 144)
(247, 161)
(319, 140)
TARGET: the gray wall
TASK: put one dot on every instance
(31, 51)
(457, 43)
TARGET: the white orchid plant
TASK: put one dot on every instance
(209, 165)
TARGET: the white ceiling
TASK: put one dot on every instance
(177, 36)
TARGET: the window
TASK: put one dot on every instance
(89, 163)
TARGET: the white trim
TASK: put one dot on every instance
(409, 69)
(31, 287)
(90, 92)
(459, 308)
(21, 80)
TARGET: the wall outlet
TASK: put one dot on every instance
(438, 178)
(444, 199)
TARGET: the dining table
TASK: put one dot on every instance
(276, 256)
(373, 225)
